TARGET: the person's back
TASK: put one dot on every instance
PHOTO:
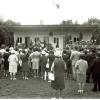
(59, 66)
(24, 58)
(75, 55)
(90, 60)
(96, 66)
(13, 60)
(51, 57)
(6, 55)
(43, 60)
(82, 66)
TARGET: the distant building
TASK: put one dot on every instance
(53, 34)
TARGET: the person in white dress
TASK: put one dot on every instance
(81, 68)
(35, 57)
(13, 62)
(74, 57)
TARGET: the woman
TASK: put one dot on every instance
(6, 63)
(35, 57)
(58, 67)
(81, 68)
(13, 62)
(25, 67)
(43, 61)
(51, 58)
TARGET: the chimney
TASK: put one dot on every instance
(41, 22)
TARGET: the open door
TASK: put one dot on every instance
(27, 41)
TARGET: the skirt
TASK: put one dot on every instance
(13, 68)
(81, 78)
(35, 64)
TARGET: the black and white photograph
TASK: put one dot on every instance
(49, 49)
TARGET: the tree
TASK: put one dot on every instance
(96, 36)
(10, 22)
(6, 36)
(68, 22)
(76, 22)
(92, 21)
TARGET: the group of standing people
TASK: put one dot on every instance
(82, 64)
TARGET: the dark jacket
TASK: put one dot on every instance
(95, 68)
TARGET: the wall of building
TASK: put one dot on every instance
(59, 33)
(41, 36)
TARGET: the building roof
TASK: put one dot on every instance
(53, 28)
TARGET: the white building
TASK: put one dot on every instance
(54, 34)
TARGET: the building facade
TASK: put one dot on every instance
(53, 34)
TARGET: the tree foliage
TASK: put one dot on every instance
(92, 21)
(5, 34)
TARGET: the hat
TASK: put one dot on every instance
(12, 51)
(58, 54)
(43, 52)
(82, 56)
(51, 52)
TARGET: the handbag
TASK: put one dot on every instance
(20, 62)
(51, 76)
(47, 65)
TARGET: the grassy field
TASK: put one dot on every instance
(38, 88)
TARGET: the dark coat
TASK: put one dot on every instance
(25, 67)
(51, 59)
(6, 63)
(43, 61)
(95, 68)
(90, 59)
(59, 69)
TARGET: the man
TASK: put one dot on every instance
(90, 58)
(95, 70)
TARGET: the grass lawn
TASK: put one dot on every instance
(38, 88)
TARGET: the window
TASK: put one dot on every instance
(36, 39)
(75, 39)
(57, 46)
(51, 33)
(19, 39)
(27, 41)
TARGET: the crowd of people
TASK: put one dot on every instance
(81, 62)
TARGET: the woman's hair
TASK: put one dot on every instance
(82, 56)
(7, 49)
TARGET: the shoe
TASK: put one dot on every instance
(60, 98)
(11, 78)
(79, 91)
(23, 77)
(53, 98)
(94, 90)
(49, 81)
(41, 77)
(26, 78)
(14, 78)
(98, 89)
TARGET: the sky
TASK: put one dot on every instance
(32, 12)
